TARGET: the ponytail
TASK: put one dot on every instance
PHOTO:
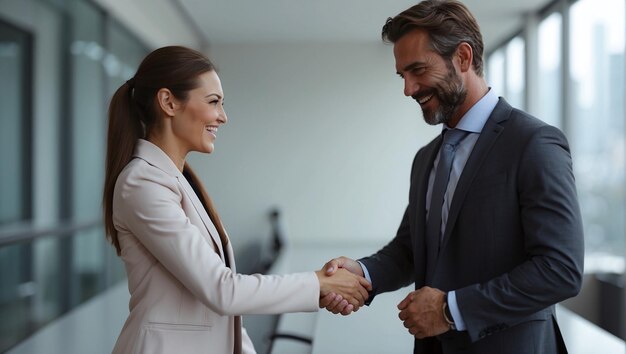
(124, 130)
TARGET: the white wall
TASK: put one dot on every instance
(322, 131)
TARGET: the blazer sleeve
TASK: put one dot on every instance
(553, 241)
(148, 205)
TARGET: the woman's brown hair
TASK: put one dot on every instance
(133, 112)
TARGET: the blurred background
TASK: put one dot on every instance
(318, 130)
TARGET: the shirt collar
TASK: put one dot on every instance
(474, 120)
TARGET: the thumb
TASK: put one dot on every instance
(331, 267)
(404, 303)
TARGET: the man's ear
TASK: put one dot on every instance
(465, 55)
(167, 102)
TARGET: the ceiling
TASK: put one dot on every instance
(245, 21)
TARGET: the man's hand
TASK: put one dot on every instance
(422, 312)
(336, 303)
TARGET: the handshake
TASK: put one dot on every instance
(343, 289)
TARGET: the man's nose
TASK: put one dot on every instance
(410, 87)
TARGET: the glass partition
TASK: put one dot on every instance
(15, 57)
(550, 67)
(60, 61)
(597, 127)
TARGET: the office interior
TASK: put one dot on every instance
(315, 156)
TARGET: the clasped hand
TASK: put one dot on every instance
(421, 312)
(343, 289)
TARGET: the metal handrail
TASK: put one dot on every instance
(29, 232)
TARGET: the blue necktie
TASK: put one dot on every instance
(451, 140)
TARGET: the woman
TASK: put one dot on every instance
(186, 296)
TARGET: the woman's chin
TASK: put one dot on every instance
(207, 148)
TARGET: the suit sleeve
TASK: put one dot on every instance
(553, 241)
(148, 205)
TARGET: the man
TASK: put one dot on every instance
(493, 241)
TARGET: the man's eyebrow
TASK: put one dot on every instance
(410, 67)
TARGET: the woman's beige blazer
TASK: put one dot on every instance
(183, 297)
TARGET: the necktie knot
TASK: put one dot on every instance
(453, 137)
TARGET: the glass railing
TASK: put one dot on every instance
(45, 272)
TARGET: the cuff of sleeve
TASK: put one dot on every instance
(365, 272)
(454, 310)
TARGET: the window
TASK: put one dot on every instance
(515, 72)
(505, 72)
(495, 72)
(58, 60)
(597, 127)
(550, 68)
(15, 120)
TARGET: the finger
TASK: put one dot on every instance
(341, 306)
(332, 307)
(327, 300)
(357, 297)
(407, 300)
(337, 300)
(365, 284)
(403, 315)
(408, 323)
(404, 303)
(363, 289)
(364, 293)
(348, 310)
(415, 331)
(331, 266)
(354, 301)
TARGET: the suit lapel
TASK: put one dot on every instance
(197, 204)
(153, 155)
(490, 133)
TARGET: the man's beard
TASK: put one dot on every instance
(450, 93)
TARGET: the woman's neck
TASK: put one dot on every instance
(171, 148)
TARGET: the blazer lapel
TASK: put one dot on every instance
(152, 154)
(487, 138)
(206, 220)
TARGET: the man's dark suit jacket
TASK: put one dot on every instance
(513, 243)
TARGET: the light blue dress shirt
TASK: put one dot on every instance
(473, 122)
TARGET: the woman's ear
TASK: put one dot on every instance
(167, 102)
